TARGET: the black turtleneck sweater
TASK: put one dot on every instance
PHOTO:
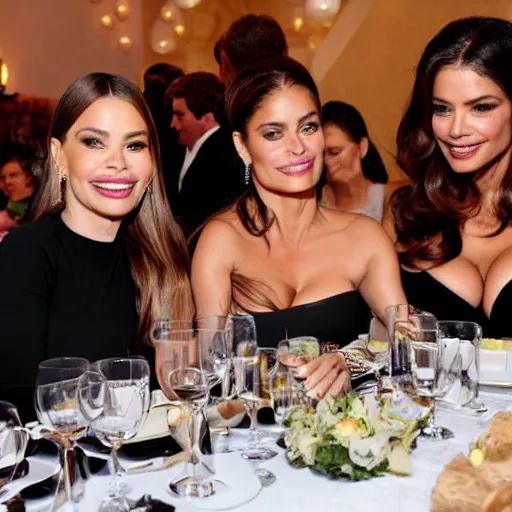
(61, 295)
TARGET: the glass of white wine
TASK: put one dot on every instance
(56, 401)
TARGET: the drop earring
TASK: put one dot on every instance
(248, 168)
(62, 180)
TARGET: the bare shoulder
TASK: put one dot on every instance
(219, 239)
(356, 227)
(498, 275)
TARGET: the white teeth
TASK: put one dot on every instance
(113, 186)
(297, 168)
(463, 149)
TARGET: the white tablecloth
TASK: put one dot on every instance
(301, 490)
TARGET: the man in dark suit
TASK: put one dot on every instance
(211, 175)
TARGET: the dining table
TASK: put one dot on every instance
(303, 490)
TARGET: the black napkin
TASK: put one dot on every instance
(151, 505)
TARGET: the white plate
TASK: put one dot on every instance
(39, 470)
(242, 485)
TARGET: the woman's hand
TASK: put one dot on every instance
(326, 374)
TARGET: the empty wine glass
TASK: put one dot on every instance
(179, 357)
(56, 401)
(13, 442)
(469, 336)
(116, 399)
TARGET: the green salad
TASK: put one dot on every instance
(355, 437)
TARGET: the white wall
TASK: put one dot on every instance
(48, 43)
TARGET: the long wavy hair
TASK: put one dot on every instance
(349, 120)
(243, 98)
(429, 213)
(156, 246)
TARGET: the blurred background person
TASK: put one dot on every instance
(250, 39)
(157, 79)
(18, 184)
(354, 178)
(211, 173)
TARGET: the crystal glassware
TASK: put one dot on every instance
(56, 402)
(241, 335)
(116, 398)
(427, 352)
(13, 442)
(469, 336)
(179, 356)
(250, 388)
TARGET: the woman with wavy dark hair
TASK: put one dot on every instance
(354, 178)
(298, 268)
(104, 257)
(452, 225)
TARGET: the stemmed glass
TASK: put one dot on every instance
(179, 355)
(13, 442)
(469, 336)
(434, 366)
(252, 387)
(115, 397)
(56, 402)
(241, 334)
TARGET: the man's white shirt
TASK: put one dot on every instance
(190, 154)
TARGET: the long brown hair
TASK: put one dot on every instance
(243, 98)
(156, 246)
(430, 213)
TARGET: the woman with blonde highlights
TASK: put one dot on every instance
(104, 257)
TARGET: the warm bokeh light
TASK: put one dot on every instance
(179, 29)
(4, 74)
(187, 4)
(122, 10)
(125, 43)
(167, 13)
(107, 21)
(298, 23)
(322, 10)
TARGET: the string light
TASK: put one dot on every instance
(322, 10)
(298, 23)
(125, 43)
(122, 10)
(179, 29)
(187, 4)
(167, 13)
(107, 21)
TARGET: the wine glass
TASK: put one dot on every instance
(179, 357)
(427, 352)
(249, 384)
(214, 354)
(241, 334)
(116, 400)
(56, 403)
(13, 442)
(469, 336)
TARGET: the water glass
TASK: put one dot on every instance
(115, 397)
(241, 335)
(434, 365)
(469, 337)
